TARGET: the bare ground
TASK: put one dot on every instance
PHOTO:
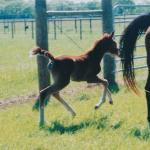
(16, 100)
(69, 90)
(23, 99)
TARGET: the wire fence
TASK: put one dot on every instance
(58, 26)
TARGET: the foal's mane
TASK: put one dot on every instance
(93, 48)
(127, 46)
(105, 36)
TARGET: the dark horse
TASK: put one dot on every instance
(78, 68)
(127, 45)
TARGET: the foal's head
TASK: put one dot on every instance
(107, 44)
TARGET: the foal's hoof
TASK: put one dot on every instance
(73, 114)
(111, 102)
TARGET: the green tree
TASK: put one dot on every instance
(16, 8)
(130, 2)
(124, 10)
(93, 5)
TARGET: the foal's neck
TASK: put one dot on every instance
(96, 53)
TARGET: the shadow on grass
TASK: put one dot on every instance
(58, 127)
(117, 125)
(99, 124)
(142, 134)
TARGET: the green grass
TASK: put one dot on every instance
(121, 126)
(18, 72)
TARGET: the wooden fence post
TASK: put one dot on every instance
(12, 29)
(42, 41)
(80, 29)
(75, 25)
(90, 25)
(55, 30)
(32, 29)
(61, 28)
(109, 62)
(14, 26)
(6, 25)
(25, 25)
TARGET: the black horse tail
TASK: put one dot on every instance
(40, 51)
(127, 46)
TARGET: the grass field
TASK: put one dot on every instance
(121, 126)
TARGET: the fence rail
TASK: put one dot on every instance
(29, 23)
(130, 6)
(71, 14)
(135, 68)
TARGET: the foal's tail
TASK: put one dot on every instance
(40, 51)
(127, 46)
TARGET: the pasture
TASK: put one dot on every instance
(121, 126)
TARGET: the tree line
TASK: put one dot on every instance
(25, 9)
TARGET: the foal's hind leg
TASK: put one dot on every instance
(106, 90)
(66, 105)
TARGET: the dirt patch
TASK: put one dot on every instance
(71, 90)
(16, 100)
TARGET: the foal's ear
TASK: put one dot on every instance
(112, 34)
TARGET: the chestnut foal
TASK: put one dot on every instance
(78, 68)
